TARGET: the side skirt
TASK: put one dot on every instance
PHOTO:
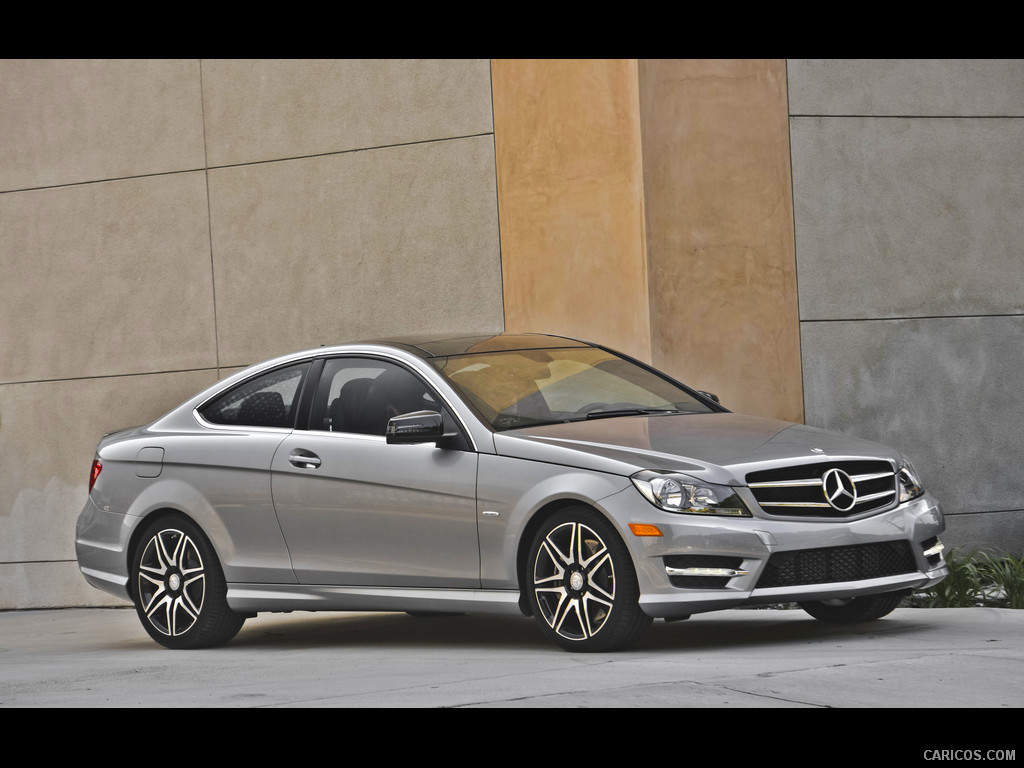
(255, 598)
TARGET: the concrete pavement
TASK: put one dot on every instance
(964, 658)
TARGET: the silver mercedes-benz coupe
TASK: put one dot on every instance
(503, 473)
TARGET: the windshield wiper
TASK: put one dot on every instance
(612, 413)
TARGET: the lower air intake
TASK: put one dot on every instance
(834, 564)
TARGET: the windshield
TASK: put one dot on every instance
(544, 386)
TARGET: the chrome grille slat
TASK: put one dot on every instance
(823, 504)
(873, 496)
(875, 476)
(788, 484)
(816, 482)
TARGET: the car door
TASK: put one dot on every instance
(226, 469)
(357, 511)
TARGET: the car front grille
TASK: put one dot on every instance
(834, 564)
(835, 489)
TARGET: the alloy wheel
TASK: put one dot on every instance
(574, 581)
(171, 582)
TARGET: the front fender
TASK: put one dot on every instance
(505, 512)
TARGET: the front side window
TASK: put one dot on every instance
(359, 396)
(269, 400)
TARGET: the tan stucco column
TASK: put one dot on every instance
(648, 205)
(570, 200)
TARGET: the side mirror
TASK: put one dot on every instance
(418, 427)
(709, 396)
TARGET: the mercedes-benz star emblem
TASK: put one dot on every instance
(840, 492)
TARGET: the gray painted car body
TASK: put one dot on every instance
(422, 527)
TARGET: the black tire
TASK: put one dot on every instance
(855, 609)
(179, 587)
(581, 584)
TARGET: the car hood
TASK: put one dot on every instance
(716, 447)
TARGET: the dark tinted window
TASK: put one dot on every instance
(269, 400)
(358, 395)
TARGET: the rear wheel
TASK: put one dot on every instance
(854, 609)
(179, 587)
(582, 586)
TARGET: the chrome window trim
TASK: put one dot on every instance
(237, 427)
(329, 354)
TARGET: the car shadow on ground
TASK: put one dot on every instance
(733, 629)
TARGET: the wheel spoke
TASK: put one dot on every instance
(576, 629)
(596, 612)
(552, 600)
(180, 607)
(153, 561)
(159, 614)
(192, 594)
(170, 558)
(557, 556)
(590, 547)
(149, 595)
(557, 571)
(601, 578)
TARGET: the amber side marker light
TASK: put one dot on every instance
(645, 529)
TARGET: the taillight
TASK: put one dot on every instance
(97, 467)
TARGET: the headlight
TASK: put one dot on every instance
(909, 482)
(678, 493)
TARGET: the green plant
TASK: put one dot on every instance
(962, 588)
(1006, 577)
(977, 579)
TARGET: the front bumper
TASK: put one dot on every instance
(711, 563)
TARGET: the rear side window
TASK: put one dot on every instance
(270, 400)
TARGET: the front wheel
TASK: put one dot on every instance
(582, 586)
(179, 588)
(854, 609)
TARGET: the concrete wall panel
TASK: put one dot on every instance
(906, 218)
(71, 121)
(919, 87)
(48, 434)
(935, 388)
(105, 279)
(267, 110)
(358, 245)
(24, 586)
(907, 188)
(108, 254)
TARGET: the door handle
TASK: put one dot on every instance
(304, 459)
